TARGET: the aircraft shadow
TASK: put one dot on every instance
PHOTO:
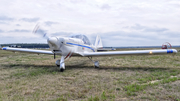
(120, 68)
(82, 66)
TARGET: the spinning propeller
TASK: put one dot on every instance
(55, 43)
(39, 31)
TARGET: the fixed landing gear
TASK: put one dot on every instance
(61, 64)
(96, 63)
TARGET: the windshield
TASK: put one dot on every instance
(82, 37)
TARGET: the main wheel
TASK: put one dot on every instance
(96, 64)
(96, 67)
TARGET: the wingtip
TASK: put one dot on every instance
(175, 51)
(172, 51)
(4, 48)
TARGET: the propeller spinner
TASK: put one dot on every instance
(54, 43)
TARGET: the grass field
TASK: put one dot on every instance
(32, 77)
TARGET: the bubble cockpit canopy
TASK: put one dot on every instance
(82, 37)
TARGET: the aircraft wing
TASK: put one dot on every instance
(137, 52)
(27, 50)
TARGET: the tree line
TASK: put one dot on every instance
(26, 45)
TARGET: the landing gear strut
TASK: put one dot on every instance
(61, 64)
(96, 63)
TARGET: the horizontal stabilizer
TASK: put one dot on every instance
(106, 49)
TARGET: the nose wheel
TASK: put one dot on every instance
(61, 70)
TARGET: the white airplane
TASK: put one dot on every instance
(79, 45)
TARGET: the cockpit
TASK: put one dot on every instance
(82, 37)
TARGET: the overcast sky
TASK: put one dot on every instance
(118, 22)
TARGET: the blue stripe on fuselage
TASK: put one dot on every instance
(80, 46)
(4, 48)
(169, 51)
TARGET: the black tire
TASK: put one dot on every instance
(61, 70)
(96, 67)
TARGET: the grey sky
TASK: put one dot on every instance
(30, 19)
(118, 22)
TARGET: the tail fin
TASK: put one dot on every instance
(98, 42)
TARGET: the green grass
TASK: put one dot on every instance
(163, 76)
(35, 77)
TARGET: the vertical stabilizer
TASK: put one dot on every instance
(98, 42)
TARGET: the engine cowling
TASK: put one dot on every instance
(55, 43)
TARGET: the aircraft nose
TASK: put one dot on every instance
(52, 40)
(55, 43)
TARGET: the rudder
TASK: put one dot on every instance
(98, 42)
